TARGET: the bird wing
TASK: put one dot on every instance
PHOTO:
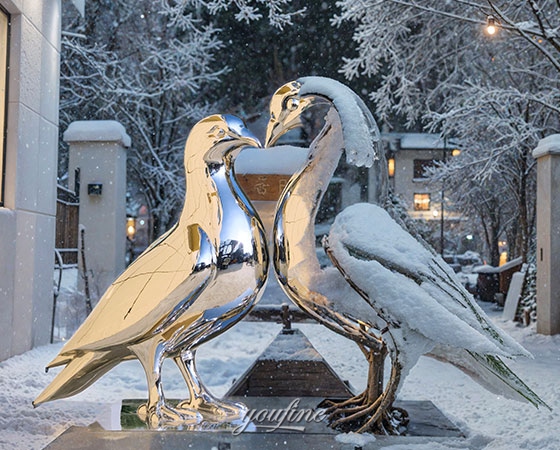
(490, 372)
(164, 279)
(410, 285)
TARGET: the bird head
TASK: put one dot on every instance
(286, 107)
(222, 135)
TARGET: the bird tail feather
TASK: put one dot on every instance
(492, 373)
(79, 374)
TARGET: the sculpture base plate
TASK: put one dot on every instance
(427, 424)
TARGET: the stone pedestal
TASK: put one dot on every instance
(547, 154)
(97, 168)
(427, 426)
(290, 367)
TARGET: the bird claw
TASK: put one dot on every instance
(359, 414)
(334, 407)
(163, 416)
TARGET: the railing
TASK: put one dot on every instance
(67, 211)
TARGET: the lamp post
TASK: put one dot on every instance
(441, 237)
(454, 152)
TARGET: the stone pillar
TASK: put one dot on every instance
(97, 167)
(547, 154)
(263, 175)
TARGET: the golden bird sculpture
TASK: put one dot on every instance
(351, 298)
(192, 284)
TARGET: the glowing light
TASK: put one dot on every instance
(130, 227)
(421, 202)
(491, 26)
(455, 152)
(391, 167)
(503, 258)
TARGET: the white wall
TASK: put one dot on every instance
(27, 220)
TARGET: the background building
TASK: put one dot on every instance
(29, 81)
(408, 157)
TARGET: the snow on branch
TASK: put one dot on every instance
(279, 14)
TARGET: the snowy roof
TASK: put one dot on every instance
(417, 141)
(97, 131)
(491, 269)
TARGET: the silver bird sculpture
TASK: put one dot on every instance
(190, 285)
(325, 294)
(422, 302)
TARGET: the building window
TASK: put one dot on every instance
(421, 202)
(421, 165)
(4, 33)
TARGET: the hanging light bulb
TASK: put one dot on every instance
(491, 25)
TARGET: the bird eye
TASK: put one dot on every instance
(217, 132)
(293, 103)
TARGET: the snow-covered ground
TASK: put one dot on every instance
(490, 422)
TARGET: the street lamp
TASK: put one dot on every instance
(491, 25)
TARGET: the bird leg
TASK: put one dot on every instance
(156, 412)
(371, 410)
(200, 399)
(373, 389)
(388, 418)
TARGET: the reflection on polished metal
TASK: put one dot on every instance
(324, 293)
(189, 286)
(363, 263)
(293, 235)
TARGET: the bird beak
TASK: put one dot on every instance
(286, 122)
(288, 118)
(250, 139)
(274, 130)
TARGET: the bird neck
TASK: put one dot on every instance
(300, 201)
(212, 193)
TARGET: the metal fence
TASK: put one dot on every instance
(67, 209)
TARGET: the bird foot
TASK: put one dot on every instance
(162, 416)
(362, 416)
(213, 409)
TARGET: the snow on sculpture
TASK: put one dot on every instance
(410, 304)
(192, 284)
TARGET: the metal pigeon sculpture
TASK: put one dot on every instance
(192, 284)
(360, 314)
(423, 303)
(324, 293)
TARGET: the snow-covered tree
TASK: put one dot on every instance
(497, 94)
(128, 62)
(278, 12)
(154, 66)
